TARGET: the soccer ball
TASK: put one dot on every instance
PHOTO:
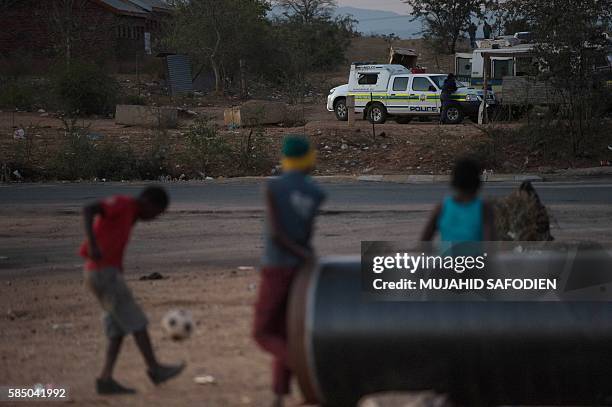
(178, 324)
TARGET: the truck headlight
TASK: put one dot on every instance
(472, 98)
(332, 90)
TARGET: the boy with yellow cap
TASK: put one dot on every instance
(292, 202)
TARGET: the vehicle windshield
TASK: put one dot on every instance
(438, 80)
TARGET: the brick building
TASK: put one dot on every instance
(112, 32)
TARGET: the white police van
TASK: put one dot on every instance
(383, 91)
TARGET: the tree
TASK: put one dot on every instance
(232, 37)
(507, 19)
(445, 20)
(315, 46)
(6, 4)
(570, 47)
(307, 10)
(73, 29)
(68, 26)
(218, 34)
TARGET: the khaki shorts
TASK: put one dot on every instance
(122, 315)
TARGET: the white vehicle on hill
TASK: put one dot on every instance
(383, 91)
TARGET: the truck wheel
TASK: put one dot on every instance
(403, 119)
(377, 113)
(341, 110)
(452, 115)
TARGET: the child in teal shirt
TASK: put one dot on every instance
(465, 216)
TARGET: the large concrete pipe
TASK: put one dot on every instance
(344, 347)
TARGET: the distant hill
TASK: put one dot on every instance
(375, 21)
(382, 22)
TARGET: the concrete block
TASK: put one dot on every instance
(146, 116)
(255, 112)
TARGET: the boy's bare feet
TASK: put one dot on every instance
(162, 373)
(109, 386)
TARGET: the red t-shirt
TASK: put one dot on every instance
(112, 230)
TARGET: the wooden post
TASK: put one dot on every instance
(350, 110)
(485, 85)
(373, 124)
(244, 92)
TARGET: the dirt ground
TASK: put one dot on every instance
(415, 148)
(50, 330)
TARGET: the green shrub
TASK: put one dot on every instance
(81, 158)
(252, 155)
(17, 95)
(16, 64)
(205, 148)
(75, 158)
(20, 157)
(154, 163)
(135, 100)
(113, 162)
(86, 89)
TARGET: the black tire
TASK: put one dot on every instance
(452, 115)
(403, 119)
(377, 113)
(340, 109)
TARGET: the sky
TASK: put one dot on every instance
(388, 5)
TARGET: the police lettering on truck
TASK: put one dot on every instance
(392, 91)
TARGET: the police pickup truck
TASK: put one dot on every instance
(383, 91)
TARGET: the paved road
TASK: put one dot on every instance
(345, 195)
(40, 225)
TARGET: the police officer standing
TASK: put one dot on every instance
(448, 88)
(472, 33)
(487, 30)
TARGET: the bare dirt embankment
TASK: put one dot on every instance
(415, 148)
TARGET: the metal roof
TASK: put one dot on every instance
(159, 4)
(135, 7)
(124, 7)
(142, 4)
(149, 5)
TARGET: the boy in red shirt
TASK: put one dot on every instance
(108, 224)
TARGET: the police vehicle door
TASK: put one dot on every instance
(398, 101)
(367, 88)
(424, 96)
